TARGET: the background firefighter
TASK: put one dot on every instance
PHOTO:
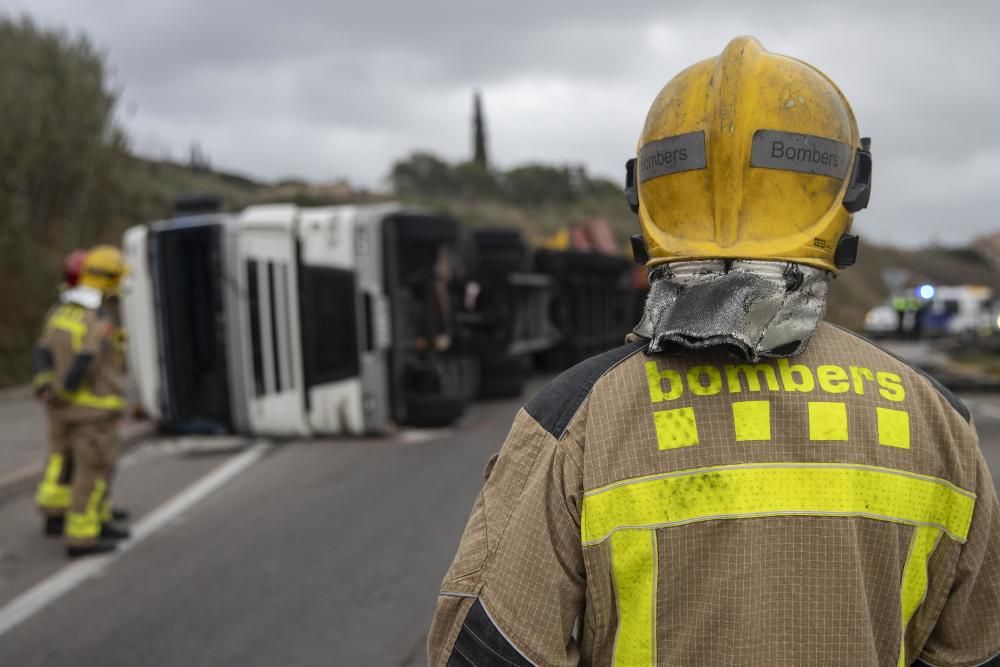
(80, 342)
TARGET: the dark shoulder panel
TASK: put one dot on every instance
(992, 662)
(554, 406)
(482, 644)
(952, 399)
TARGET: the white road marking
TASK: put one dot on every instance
(62, 582)
(415, 435)
(181, 445)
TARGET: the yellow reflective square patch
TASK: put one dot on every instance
(676, 428)
(752, 420)
(827, 421)
(893, 428)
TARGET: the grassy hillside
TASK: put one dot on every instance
(149, 188)
(855, 290)
(142, 191)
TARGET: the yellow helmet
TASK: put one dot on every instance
(749, 155)
(103, 269)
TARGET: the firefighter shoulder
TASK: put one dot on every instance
(87, 378)
(699, 496)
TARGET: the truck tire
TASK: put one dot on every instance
(502, 386)
(426, 229)
(500, 251)
(433, 411)
(504, 376)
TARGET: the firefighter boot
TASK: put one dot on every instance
(54, 525)
(97, 548)
(111, 531)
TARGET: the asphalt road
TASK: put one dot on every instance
(318, 553)
(321, 553)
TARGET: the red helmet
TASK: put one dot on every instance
(72, 265)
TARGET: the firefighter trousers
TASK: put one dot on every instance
(95, 452)
(54, 491)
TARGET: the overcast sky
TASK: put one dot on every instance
(324, 89)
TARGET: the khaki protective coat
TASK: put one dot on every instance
(694, 509)
(90, 413)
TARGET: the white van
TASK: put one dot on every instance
(961, 310)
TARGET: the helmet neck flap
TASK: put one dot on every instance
(755, 308)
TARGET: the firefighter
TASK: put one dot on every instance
(53, 495)
(87, 368)
(741, 483)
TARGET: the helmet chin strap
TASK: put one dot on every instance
(760, 308)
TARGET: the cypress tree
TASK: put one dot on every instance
(478, 131)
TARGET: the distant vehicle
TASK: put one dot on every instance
(290, 321)
(881, 321)
(962, 310)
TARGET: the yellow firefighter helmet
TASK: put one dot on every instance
(750, 155)
(103, 269)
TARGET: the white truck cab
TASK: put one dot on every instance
(139, 319)
(178, 308)
(274, 321)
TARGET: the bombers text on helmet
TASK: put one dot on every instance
(103, 269)
(750, 155)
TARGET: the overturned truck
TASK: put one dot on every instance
(290, 321)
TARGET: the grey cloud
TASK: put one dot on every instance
(333, 88)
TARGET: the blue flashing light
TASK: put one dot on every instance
(926, 291)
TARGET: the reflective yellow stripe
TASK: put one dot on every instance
(86, 525)
(80, 526)
(86, 399)
(70, 320)
(913, 589)
(53, 469)
(633, 564)
(756, 490)
(105, 513)
(43, 378)
(51, 494)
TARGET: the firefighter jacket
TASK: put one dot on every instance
(86, 361)
(694, 509)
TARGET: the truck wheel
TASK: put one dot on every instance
(500, 251)
(439, 229)
(433, 411)
(504, 377)
(502, 386)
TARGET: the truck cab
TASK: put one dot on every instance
(178, 307)
(291, 322)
